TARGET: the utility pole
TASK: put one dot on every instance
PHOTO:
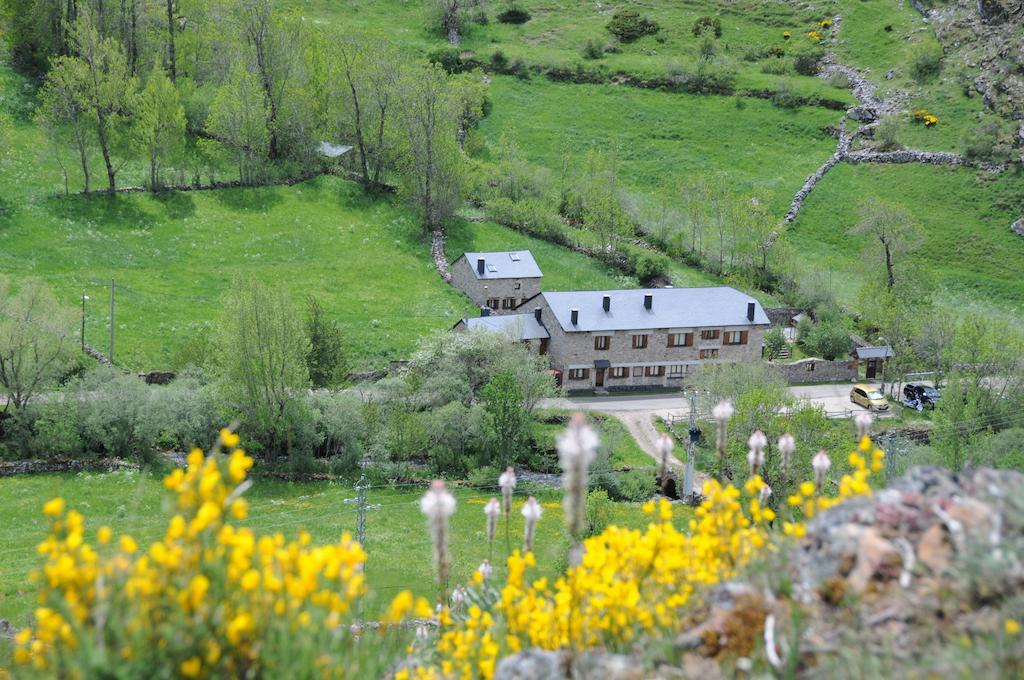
(361, 507)
(84, 298)
(110, 346)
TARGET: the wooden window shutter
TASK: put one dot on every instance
(689, 340)
(743, 337)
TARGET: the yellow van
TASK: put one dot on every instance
(869, 397)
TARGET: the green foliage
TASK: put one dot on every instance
(326, 358)
(507, 419)
(887, 134)
(36, 341)
(829, 339)
(636, 487)
(925, 62)
(338, 419)
(592, 50)
(238, 122)
(706, 23)
(991, 141)
(627, 25)
(774, 343)
(598, 513)
(261, 361)
(160, 125)
(807, 60)
(513, 14)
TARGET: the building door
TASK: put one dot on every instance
(599, 377)
(543, 346)
(871, 368)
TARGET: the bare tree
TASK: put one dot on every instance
(892, 228)
(36, 340)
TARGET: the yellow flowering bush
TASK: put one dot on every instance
(632, 583)
(210, 599)
(815, 36)
(922, 116)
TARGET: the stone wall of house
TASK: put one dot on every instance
(463, 277)
(576, 350)
(818, 370)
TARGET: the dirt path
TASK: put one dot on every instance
(641, 427)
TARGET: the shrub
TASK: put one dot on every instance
(840, 80)
(484, 477)
(925, 62)
(784, 97)
(647, 265)
(887, 134)
(990, 141)
(514, 15)
(637, 486)
(338, 420)
(111, 408)
(627, 25)
(829, 339)
(56, 429)
(806, 61)
(592, 50)
(326, 358)
(447, 58)
(599, 512)
(774, 343)
(519, 69)
(775, 67)
(706, 23)
(533, 216)
(499, 62)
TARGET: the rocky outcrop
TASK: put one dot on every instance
(894, 581)
(1018, 227)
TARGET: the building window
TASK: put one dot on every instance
(601, 342)
(654, 371)
(493, 303)
(620, 372)
(676, 370)
(638, 371)
(736, 338)
(579, 373)
(508, 303)
(709, 335)
(519, 286)
(680, 339)
(639, 342)
(709, 353)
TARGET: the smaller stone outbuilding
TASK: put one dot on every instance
(499, 281)
(525, 328)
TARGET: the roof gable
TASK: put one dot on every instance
(516, 326)
(670, 308)
(506, 264)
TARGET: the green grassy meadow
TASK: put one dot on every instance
(397, 542)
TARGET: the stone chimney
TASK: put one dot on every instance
(575, 316)
(606, 303)
(480, 265)
(750, 311)
(537, 315)
(648, 301)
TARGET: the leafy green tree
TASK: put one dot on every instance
(828, 338)
(62, 115)
(774, 343)
(160, 125)
(431, 163)
(507, 418)
(326, 359)
(36, 341)
(238, 122)
(261, 355)
(892, 229)
(106, 90)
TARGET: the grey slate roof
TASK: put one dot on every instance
(516, 326)
(510, 264)
(880, 352)
(671, 308)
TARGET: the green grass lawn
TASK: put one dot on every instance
(397, 542)
(968, 247)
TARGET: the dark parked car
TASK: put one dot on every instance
(919, 396)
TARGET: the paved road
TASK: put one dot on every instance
(834, 398)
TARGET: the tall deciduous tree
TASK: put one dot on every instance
(431, 163)
(62, 115)
(892, 229)
(262, 349)
(36, 341)
(238, 121)
(99, 77)
(160, 125)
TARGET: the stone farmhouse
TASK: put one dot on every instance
(498, 281)
(629, 339)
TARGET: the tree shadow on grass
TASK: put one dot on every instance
(177, 205)
(106, 210)
(249, 199)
